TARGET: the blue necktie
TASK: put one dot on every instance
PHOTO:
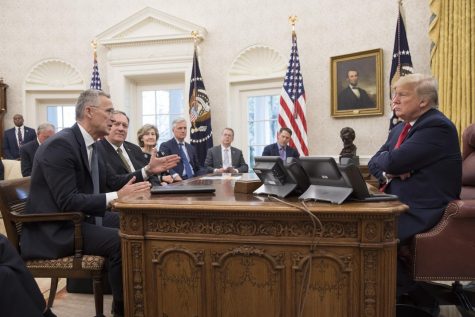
(282, 153)
(95, 177)
(186, 163)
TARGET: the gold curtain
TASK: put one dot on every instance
(452, 31)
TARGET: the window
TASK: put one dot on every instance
(263, 113)
(61, 116)
(160, 107)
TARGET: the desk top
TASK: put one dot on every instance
(225, 199)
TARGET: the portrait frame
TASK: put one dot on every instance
(369, 68)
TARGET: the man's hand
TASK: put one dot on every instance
(403, 176)
(167, 179)
(161, 164)
(132, 189)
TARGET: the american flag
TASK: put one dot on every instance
(401, 59)
(95, 79)
(201, 134)
(292, 102)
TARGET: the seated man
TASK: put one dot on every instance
(124, 157)
(71, 175)
(21, 295)
(224, 158)
(188, 166)
(28, 150)
(281, 147)
(420, 162)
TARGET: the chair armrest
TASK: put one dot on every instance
(75, 217)
(461, 209)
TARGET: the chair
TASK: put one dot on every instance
(447, 253)
(12, 169)
(13, 195)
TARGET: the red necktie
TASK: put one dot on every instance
(400, 139)
(403, 135)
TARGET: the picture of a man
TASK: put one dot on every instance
(354, 97)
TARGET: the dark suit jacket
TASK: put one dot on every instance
(214, 159)
(10, 145)
(2, 171)
(171, 147)
(347, 100)
(138, 158)
(61, 182)
(273, 150)
(27, 153)
(23, 297)
(431, 153)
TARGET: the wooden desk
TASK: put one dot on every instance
(227, 254)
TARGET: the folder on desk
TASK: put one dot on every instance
(182, 189)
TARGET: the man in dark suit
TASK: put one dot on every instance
(353, 97)
(420, 162)
(124, 157)
(15, 137)
(28, 150)
(188, 166)
(224, 158)
(70, 174)
(281, 147)
(21, 295)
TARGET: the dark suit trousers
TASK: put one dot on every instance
(105, 241)
(20, 293)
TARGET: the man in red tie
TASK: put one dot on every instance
(420, 161)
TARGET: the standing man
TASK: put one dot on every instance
(15, 137)
(122, 156)
(420, 163)
(189, 166)
(70, 174)
(353, 97)
(281, 147)
(27, 151)
(224, 158)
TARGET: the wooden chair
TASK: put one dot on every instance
(13, 195)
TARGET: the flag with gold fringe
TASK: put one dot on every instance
(401, 64)
(201, 136)
(95, 78)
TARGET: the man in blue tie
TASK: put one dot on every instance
(281, 147)
(189, 166)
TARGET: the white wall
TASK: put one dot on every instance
(31, 31)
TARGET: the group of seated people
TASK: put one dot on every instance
(420, 162)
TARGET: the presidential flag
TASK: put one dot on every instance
(401, 59)
(95, 79)
(292, 102)
(201, 136)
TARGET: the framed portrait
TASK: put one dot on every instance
(357, 84)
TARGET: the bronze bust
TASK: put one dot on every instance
(347, 135)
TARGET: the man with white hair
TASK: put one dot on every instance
(27, 151)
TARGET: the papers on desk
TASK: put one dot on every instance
(222, 176)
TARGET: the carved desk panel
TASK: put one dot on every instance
(227, 254)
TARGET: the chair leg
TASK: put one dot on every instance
(52, 291)
(98, 295)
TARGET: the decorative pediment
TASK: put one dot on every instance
(54, 74)
(258, 62)
(149, 26)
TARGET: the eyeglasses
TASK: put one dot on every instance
(109, 111)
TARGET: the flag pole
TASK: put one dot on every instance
(194, 35)
(293, 21)
(94, 47)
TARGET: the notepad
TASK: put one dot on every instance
(182, 189)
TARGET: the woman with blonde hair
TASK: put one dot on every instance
(147, 137)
